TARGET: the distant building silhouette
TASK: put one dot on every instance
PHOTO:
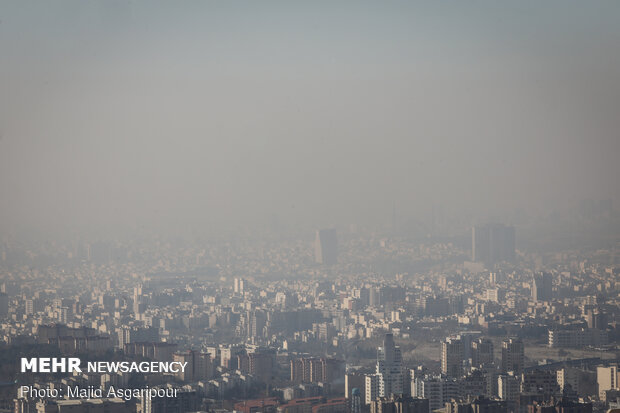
(326, 246)
(542, 287)
(492, 243)
(4, 305)
(239, 285)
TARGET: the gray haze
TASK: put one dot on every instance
(212, 115)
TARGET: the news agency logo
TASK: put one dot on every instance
(72, 364)
(51, 365)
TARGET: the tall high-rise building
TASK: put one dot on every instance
(138, 304)
(261, 364)
(29, 307)
(389, 367)
(198, 367)
(568, 379)
(239, 285)
(492, 243)
(317, 370)
(438, 390)
(4, 305)
(326, 246)
(452, 357)
(257, 320)
(542, 287)
(352, 381)
(371, 390)
(374, 296)
(508, 387)
(468, 337)
(228, 355)
(482, 352)
(512, 355)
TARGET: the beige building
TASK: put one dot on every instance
(606, 379)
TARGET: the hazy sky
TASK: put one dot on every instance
(123, 113)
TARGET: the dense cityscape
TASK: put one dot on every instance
(348, 321)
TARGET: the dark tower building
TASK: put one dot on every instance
(492, 243)
(482, 352)
(512, 355)
(326, 246)
(542, 287)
